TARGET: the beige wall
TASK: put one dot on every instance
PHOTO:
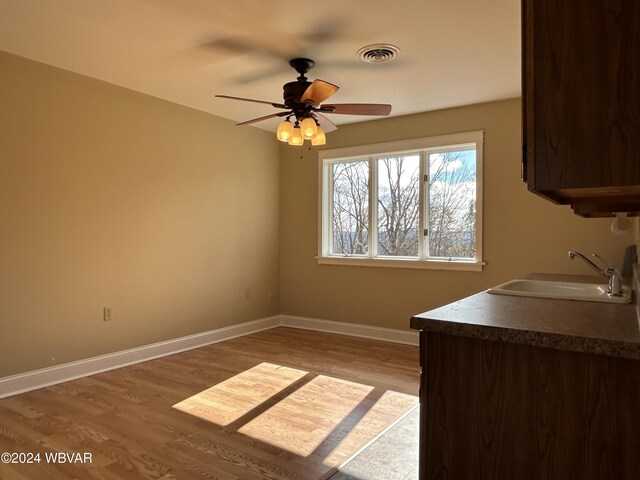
(113, 198)
(522, 232)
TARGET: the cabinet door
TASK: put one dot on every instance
(581, 100)
(502, 411)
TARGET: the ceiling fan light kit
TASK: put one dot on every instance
(285, 131)
(302, 100)
(319, 138)
(309, 128)
(296, 137)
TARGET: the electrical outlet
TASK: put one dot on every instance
(247, 293)
(108, 314)
(270, 297)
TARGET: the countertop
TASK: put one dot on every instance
(591, 327)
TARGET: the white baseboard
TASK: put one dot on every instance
(353, 329)
(25, 382)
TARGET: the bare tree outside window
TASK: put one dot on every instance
(452, 204)
(398, 206)
(408, 204)
(350, 208)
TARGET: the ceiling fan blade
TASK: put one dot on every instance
(277, 105)
(318, 92)
(357, 108)
(266, 117)
(326, 124)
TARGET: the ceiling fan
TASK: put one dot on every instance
(302, 103)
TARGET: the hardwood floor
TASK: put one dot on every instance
(282, 404)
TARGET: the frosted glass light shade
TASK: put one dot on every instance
(308, 127)
(320, 138)
(285, 130)
(296, 137)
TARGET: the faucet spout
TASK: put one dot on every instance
(610, 273)
(573, 255)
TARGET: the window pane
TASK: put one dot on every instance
(350, 230)
(398, 200)
(452, 204)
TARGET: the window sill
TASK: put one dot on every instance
(470, 266)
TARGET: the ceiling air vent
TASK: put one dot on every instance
(378, 53)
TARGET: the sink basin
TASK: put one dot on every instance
(590, 292)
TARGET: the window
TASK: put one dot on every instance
(415, 203)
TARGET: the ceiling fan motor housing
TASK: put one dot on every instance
(293, 91)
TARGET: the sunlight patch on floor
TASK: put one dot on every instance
(227, 401)
(388, 409)
(307, 417)
(304, 414)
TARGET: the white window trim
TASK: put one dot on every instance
(399, 147)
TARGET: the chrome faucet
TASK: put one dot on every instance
(610, 273)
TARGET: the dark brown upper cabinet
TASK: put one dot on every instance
(581, 103)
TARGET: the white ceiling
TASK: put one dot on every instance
(452, 52)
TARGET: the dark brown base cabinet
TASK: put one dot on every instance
(494, 410)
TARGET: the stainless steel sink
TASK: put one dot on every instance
(590, 292)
